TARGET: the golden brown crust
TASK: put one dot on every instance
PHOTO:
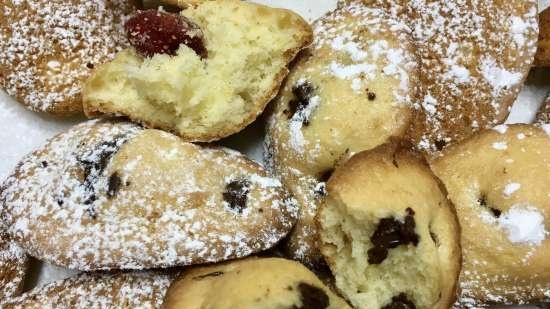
(114, 181)
(116, 290)
(360, 188)
(97, 108)
(543, 115)
(13, 266)
(498, 181)
(542, 58)
(267, 283)
(42, 66)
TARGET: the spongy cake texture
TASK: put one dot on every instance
(349, 92)
(373, 196)
(249, 47)
(499, 181)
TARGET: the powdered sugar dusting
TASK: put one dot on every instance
(49, 47)
(523, 225)
(511, 188)
(12, 267)
(105, 190)
(119, 290)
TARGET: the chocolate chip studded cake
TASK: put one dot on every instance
(119, 290)
(203, 74)
(49, 48)
(112, 195)
(499, 181)
(388, 232)
(253, 283)
(351, 91)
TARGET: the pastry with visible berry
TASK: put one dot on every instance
(389, 233)
(119, 290)
(112, 195)
(13, 266)
(203, 74)
(253, 283)
(543, 53)
(351, 91)
(50, 47)
(499, 181)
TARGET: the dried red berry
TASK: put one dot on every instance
(156, 32)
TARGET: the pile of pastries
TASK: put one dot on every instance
(389, 181)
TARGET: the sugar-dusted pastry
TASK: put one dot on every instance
(13, 266)
(253, 283)
(499, 181)
(542, 57)
(351, 91)
(50, 47)
(112, 195)
(475, 56)
(203, 74)
(97, 291)
(543, 115)
(389, 233)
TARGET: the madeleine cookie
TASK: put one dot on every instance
(99, 291)
(111, 195)
(388, 232)
(13, 265)
(499, 181)
(50, 47)
(266, 283)
(475, 56)
(543, 115)
(542, 57)
(350, 91)
(204, 74)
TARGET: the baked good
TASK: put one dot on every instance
(50, 47)
(499, 182)
(253, 283)
(389, 233)
(349, 92)
(112, 195)
(98, 291)
(231, 63)
(542, 57)
(475, 56)
(543, 115)
(13, 265)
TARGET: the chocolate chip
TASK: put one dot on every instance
(60, 202)
(482, 201)
(440, 144)
(400, 302)
(391, 233)
(90, 65)
(236, 194)
(312, 297)
(303, 92)
(212, 274)
(113, 185)
(371, 96)
(44, 164)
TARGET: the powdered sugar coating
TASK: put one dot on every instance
(543, 115)
(475, 57)
(361, 77)
(98, 291)
(110, 195)
(49, 47)
(13, 266)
